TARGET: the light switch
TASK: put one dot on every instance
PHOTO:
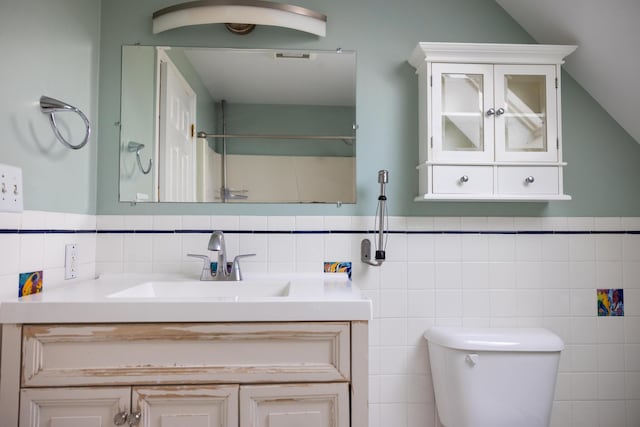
(10, 188)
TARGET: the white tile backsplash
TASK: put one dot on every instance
(9, 254)
(26, 246)
(497, 279)
(141, 222)
(31, 252)
(166, 222)
(309, 223)
(225, 222)
(196, 222)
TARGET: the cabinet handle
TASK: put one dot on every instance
(464, 178)
(134, 419)
(529, 180)
(500, 111)
(491, 112)
(120, 418)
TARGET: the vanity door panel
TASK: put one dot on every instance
(288, 405)
(187, 406)
(171, 353)
(72, 407)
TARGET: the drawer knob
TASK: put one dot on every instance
(464, 178)
(491, 112)
(529, 180)
(500, 111)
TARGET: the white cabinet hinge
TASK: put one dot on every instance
(431, 81)
(431, 142)
(556, 83)
(558, 143)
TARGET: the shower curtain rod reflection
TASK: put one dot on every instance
(259, 136)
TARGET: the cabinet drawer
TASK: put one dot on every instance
(166, 353)
(462, 180)
(528, 180)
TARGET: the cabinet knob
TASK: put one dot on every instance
(134, 419)
(120, 418)
(529, 180)
(491, 112)
(464, 178)
(500, 111)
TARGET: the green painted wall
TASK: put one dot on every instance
(603, 159)
(50, 48)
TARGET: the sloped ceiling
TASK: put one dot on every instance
(607, 61)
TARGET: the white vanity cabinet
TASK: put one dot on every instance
(253, 374)
(489, 121)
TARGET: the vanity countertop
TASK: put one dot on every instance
(118, 298)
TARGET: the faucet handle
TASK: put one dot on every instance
(206, 267)
(236, 274)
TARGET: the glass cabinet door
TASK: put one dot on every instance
(462, 98)
(525, 119)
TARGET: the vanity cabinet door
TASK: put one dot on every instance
(187, 406)
(72, 407)
(295, 405)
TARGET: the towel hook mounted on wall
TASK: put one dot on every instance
(136, 147)
(51, 106)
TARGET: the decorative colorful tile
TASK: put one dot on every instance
(29, 283)
(338, 267)
(610, 302)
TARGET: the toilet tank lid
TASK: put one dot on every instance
(495, 339)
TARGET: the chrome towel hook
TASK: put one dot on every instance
(51, 106)
(136, 147)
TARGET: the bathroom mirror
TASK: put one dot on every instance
(237, 125)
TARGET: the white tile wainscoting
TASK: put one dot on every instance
(495, 271)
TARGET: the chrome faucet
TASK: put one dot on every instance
(222, 273)
(216, 243)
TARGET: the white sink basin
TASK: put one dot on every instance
(202, 289)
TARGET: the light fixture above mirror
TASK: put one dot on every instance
(240, 16)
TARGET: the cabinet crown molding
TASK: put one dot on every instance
(487, 53)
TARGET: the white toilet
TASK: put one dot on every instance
(486, 377)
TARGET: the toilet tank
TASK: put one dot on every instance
(493, 377)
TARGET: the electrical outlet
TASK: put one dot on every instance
(10, 188)
(71, 261)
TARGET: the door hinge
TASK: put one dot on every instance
(557, 143)
(431, 142)
(556, 83)
(193, 130)
(431, 81)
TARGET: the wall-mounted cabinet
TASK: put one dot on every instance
(490, 122)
